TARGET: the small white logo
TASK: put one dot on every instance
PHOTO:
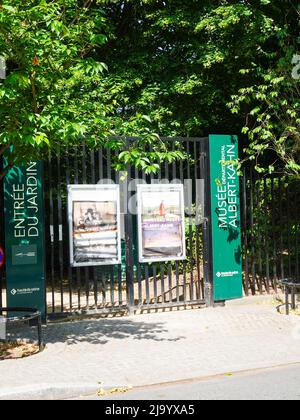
(13, 292)
(227, 274)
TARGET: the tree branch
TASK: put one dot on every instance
(5, 170)
(3, 149)
(34, 96)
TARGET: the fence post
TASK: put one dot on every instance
(129, 246)
(208, 286)
(206, 229)
(1, 234)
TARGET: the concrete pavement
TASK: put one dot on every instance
(154, 348)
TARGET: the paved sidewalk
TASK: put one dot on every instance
(155, 348)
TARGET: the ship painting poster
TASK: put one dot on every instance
(94, 223)
(161, 223)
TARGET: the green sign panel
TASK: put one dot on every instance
(226, 219)
(24, 237)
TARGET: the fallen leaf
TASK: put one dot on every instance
(118, 390)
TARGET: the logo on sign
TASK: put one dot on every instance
(227, 274)
(27, 291)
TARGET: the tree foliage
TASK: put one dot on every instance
(50, 96)
(172, 68)
(202, 66)
(53, 95)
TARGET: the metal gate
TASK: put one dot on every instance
(130, 286)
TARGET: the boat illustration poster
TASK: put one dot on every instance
(94, 217)
(161, 223)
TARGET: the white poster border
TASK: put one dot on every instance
(92, 193)
(160, 188)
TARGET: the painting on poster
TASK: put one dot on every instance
(161, 223)
(94, 221)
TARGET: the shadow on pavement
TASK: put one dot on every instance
(101, 331)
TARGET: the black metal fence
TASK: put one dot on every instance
(132, 284)
(270, 215)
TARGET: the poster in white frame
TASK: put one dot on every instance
(94, 225)
(161, 223)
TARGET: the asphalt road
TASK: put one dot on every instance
(281, 383)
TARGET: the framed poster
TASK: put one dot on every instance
(161, 223)
(94, 225)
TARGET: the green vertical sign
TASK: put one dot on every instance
(24, 237)
(226, 218)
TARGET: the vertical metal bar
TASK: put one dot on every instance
(287, 305)
(275, 278)
(169, 264)
(129, 249)
(86, 269)
(120, 291)
(78, 269)
(253, 282)
(78, 279)
(139, 279)
(112, 287)
(39, 328)
(184, 264)
(293, 292)
(207, 255)
(177, 281)
(207, 233)
(289, 229)
(281, 228)
(259, 243)
(2, 233)
(60, 233)
(245, 230)
(191, 257)
(297, 249)
(109, 172)
(100, 162)
(203, 204)
(147, 284)
(196, 225)
(162, 280)
(170, 277)
(52, 259)
(84, 169)
(93, 171)
(95, 276)
(76, 167)
(103, 288)
(174, 171)
(266, 235)
(93, 270)
(70, 271)
(155, 282)
(184, 282)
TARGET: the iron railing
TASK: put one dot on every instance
(270, 215)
